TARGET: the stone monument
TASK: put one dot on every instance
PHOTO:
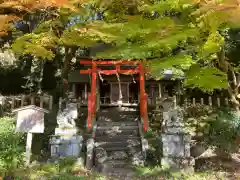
(66, 142)
(176, 142)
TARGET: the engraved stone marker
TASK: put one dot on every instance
(30, 119)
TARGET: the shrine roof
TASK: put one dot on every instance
(75, 77)
(166, 74)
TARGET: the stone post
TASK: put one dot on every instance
(67, 142)
(176, 142)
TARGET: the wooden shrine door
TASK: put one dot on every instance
(115, 92)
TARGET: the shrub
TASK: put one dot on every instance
(12, 146)
(224, 130)
(197, 119)
(198, 110)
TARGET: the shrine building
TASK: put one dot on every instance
(112, 83)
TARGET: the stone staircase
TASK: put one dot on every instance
(118, 141)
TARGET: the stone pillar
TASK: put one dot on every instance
(89, 153)
(176, 142)
(67, 142)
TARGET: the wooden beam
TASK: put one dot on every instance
(109, 72)
(124, 62)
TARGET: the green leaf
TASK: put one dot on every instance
(180, 62)
(38, 45)
(205, 78)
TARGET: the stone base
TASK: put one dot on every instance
(66, 131)
(62, 146)
(176, 145)
(186, 164)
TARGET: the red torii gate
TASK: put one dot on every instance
(139, 69)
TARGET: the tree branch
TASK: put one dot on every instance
(238, 80)
(234, 100)
(234, 79)
(222, 63)
(69, 54)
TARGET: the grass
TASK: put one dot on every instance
(67, 170)
(160, 173)
(63, 170)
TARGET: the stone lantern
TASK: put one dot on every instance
(176, 142)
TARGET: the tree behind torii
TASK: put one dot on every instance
(173, 34)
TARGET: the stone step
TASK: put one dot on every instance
(118, 138)
(115, 132)
(117, 123)
(114, 153)
(101, 157)
(120, 113)
(118, 163)
(129, 143)
(122, 148)
(117, 141)
(127, 113)
(121, 127)
(116, 118)
(116, 167)
(119, 108)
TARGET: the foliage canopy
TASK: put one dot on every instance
(185, 36)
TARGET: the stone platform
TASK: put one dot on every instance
(66, 146)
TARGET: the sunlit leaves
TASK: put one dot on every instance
(11, 10)
(38, 45)
(213, 44)
(5, 25)
(179, 63)
(206, 78)
(75, 38)
(168, 34)
(166, 6)
(228, 9)
(31, 5)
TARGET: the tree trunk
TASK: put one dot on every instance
(234, 98)
(69, 54)
(233, 79)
